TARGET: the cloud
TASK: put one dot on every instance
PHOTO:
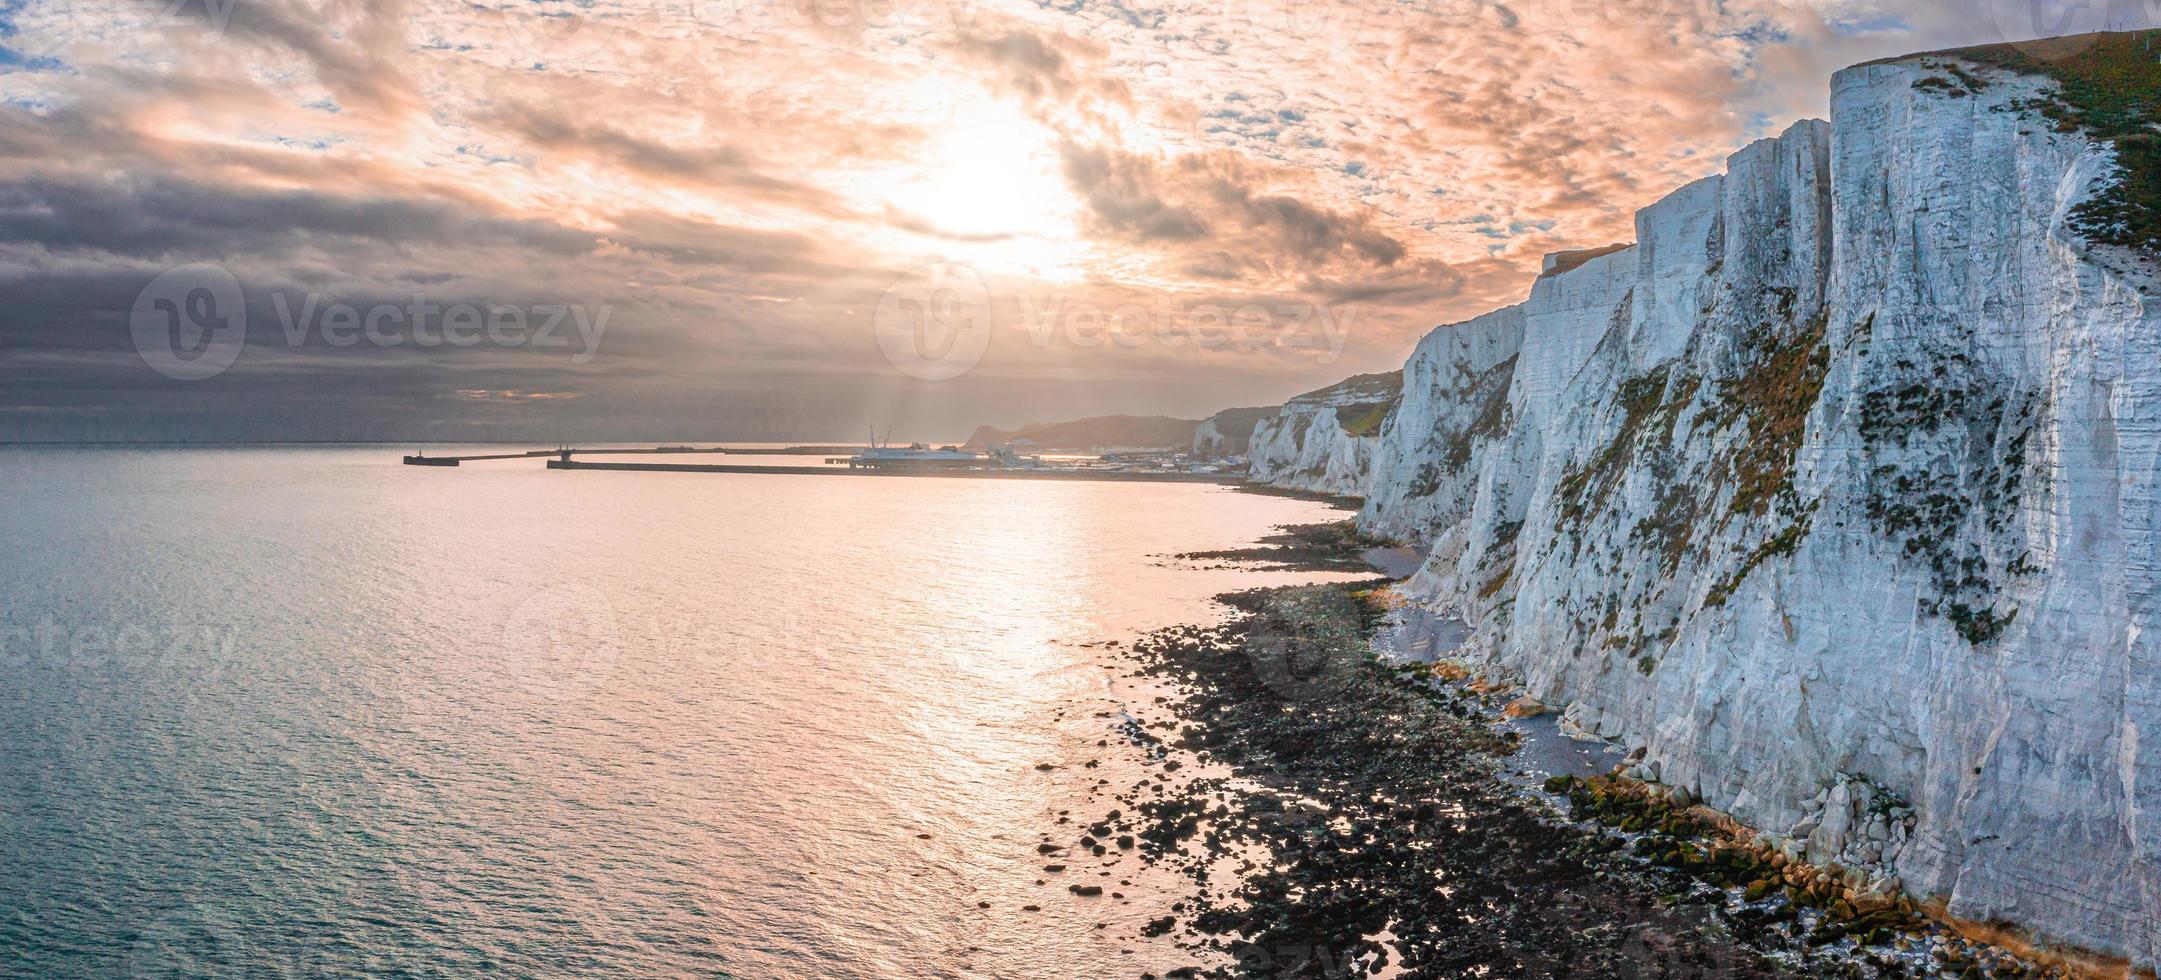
(1219, 215)
(163, 215)
(740, 184)
(1038, 66)
(1125, 197)
(721, 167)
(357, 49)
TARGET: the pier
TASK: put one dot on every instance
(1046, 473)
(567, 459)
(419, 459)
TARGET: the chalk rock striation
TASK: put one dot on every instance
(1084, 435)
(1836, 493)
(1324, 440)
(1229, 432)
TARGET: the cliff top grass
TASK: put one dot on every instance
(2108, 86)
(1364, 420)
(1568, 261)
(1375, 387)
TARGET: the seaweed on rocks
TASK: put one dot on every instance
(1372, 830)
(1338, 814)
(1336, 547)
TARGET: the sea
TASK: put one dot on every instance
(286, 711)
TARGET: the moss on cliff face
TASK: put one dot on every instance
(2109, 87)
(1739, 499)
(1359, 421)
(1774, 395)
(1644, 409)
(1488, 392)
(1947, 445)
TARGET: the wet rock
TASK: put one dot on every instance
(1525, 707)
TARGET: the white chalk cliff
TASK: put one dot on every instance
(1836, 493)
(1229, 432)
(1324, 440)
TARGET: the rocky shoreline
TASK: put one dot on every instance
(1339, 814)
(1832, 492)
(1339, 547)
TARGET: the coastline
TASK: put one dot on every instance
(1346, 811)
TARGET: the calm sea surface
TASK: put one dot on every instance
(291, 712)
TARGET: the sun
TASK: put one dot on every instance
(989, 187)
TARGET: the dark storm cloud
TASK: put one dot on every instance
(157, 215)
(357, 50)
(1210, 200)
(1125, 196)
(722, 167)
(1039, 66)
(741, 183)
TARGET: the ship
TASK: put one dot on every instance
(918, 456)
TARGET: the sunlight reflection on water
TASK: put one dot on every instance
(291, 711)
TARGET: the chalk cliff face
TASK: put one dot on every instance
(1229, 432)
(1324, 440)
(1103, 432)
(1835, 493)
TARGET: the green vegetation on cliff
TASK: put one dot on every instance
(2109, 86)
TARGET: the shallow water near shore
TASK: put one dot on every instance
(1414, 634)
(292, 711)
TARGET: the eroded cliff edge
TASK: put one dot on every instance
(1325, 440)
(1836, 493)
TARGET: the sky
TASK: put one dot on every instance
(562, 220)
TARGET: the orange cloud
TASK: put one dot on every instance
(742, 181)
